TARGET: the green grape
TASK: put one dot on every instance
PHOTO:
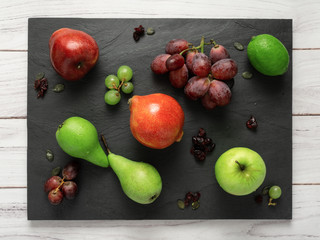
(112, 97)
(112, 81)
(124, 73)
(127, 87)
(275, 192)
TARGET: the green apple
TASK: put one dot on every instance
(240, 171)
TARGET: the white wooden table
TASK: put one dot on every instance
(306, 120)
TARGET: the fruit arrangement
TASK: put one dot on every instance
(203, 77)
(116, 83)
(58, 188)
(157, 120)
(140, 181)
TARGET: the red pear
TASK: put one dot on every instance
(73, 53)
(156, 120)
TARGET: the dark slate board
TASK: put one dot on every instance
(100, 196)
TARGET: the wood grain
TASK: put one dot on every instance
(14, 14)
(306, 223)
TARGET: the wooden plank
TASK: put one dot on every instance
(305, 223)
(14, 15)
(306, 160)
(13, 83)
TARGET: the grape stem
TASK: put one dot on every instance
(62, 182)
(105, 143)
(271, 203)
(201, 46)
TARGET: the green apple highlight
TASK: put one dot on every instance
(240, 171)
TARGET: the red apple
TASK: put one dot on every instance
(72, 53)
(156, 120)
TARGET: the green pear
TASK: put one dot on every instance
(79, 138)
(140, 181)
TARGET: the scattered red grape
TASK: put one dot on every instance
(224, 69)
(70, 171)
(55, 197)
(201, 65)
(174, 62)
(69, 189)
(219, 93)
(178, 78)
(207, 103)
(217, 53)
(189, 59)
(52, 183)
(158, 65)
(176, 46)
(197, 87)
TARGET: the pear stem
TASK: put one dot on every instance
(240, 165)
(105, 144)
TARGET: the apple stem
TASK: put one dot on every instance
(105, 144)
(240, 165)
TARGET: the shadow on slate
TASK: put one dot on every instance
(100, 196)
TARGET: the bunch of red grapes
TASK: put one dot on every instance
(208, 78)
(57, 187)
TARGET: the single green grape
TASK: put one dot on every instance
(275, 192)
(125, 73)
(112, 81)
(112, 97)
(127, 87)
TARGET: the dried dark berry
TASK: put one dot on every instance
(252, 123)
(194, 140)
(136, 36)
(192, 150)
(36, 84)
(209, 148)
(186, 202)
(196, 196)
(189, 196)
(208, 141)
(199, 155)
(202, 133)
(258, 198)
(41, 85)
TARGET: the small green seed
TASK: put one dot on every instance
(49, 155)
(58, 88)
(247, 75)
(238, 46)
(181, 204)
(150, 31)
(39, 76)
(195, 205)
(56, 171)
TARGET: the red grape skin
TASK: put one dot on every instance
(158, 65)
(70, 171)
(201, 65)
(176, 46)
(219, 93)
(189, 59)
(179, 78)
(174, 62)
(52, 183)
(217, 53)
(55, 197)
(207, 103)
(224, 69)
(197, 87)
(69, 189)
